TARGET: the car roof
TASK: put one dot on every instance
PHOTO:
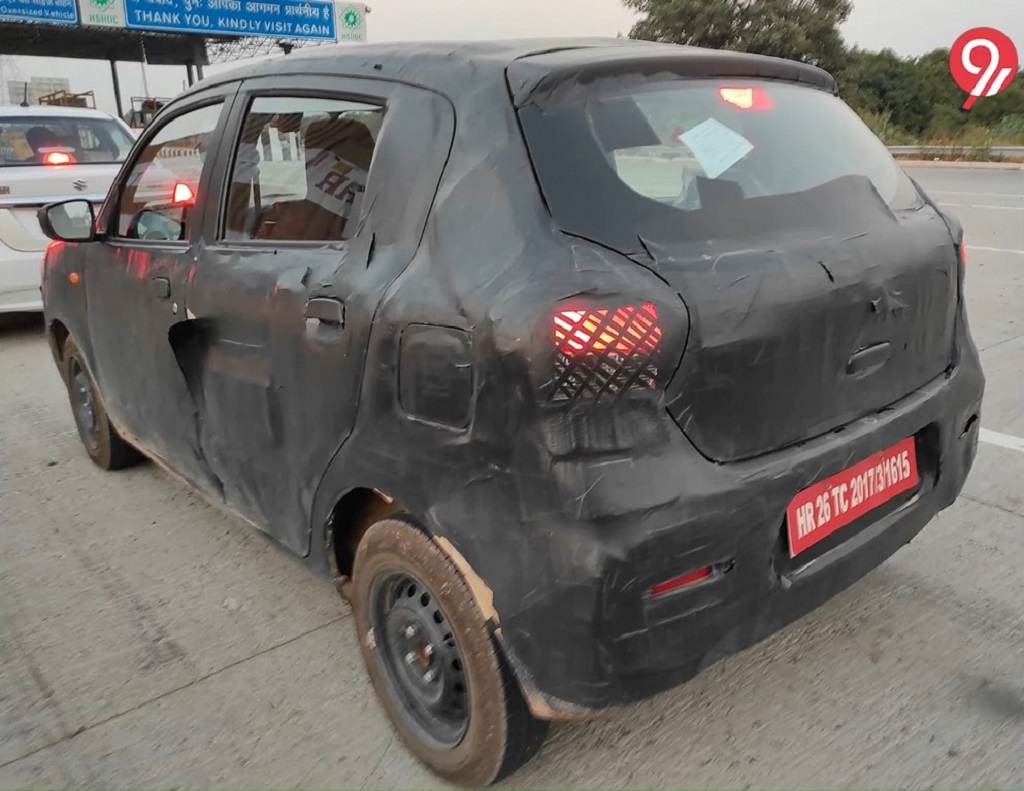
(46, 110)
(453, 67)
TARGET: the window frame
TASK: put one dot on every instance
(110, 215)
(331, 88)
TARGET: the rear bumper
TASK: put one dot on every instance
(19, 280)
(572, 592)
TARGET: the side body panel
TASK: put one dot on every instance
(277, 388)
(135, 293)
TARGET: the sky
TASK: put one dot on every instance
(910, 27)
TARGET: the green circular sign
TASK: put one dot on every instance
(350, 19)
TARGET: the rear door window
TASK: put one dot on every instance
(301, 169)
(677, 157)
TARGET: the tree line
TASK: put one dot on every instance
(903, 100)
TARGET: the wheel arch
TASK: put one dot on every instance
(347, 522)
(57, 334)
(352, 514)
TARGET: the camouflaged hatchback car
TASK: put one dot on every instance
(577, 365)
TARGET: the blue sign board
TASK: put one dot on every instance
(59, 12)
(289, 19)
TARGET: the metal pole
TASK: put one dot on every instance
(188, 72)
(199, 71)
(117, 88)
(142, 64)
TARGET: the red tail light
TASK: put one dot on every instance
(605, 350)
(58, 158)
(963, 253)
(183, 194)
(626, 329)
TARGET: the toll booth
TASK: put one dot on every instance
(68, 99)
(189, 33)
(144, 110)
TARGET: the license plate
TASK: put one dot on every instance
(820, 510)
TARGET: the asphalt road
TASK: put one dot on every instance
(148, 640)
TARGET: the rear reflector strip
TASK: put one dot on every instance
(681, 582)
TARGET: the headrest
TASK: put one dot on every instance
(348, 139)
(41, 137)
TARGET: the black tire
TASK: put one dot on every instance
(103, 444)
(403, 579)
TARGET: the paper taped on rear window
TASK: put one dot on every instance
(716, 147)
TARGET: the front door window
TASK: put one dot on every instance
(161, 188)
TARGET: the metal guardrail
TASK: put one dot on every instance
(939, 151)
(995, 152)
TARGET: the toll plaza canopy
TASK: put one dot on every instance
(190, 33)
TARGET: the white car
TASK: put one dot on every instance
(48, 154)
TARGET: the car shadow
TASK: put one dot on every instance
(775, 715)
(21, 324)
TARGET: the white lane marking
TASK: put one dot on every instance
(984, 206)
(971, 247)
(1013, 195)
(1002, 440)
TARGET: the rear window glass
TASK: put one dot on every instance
(29, 140)
(684, 159)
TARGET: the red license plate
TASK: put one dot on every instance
(820, 510)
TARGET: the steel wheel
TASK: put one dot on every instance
(439, 673)
(103, 444)
(421, 657)
(80, 389)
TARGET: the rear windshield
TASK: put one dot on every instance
(630, 162)
(29, 140)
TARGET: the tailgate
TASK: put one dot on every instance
(821, 287)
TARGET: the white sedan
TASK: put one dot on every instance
(48, 154)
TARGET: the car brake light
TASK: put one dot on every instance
(605, 350)
(601, 329)
(963, 253)
(746, 98)
(183, 195)
(58, 158)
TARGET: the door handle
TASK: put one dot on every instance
(326, 310)
(160, 287)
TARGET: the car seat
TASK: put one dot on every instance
(338, 153)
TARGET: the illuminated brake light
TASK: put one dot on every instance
(58, 158)
(604, 352)
(681, 582)
(625, 330)
(183, 195)
(746, 98)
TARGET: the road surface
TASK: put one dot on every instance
(148, 640)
